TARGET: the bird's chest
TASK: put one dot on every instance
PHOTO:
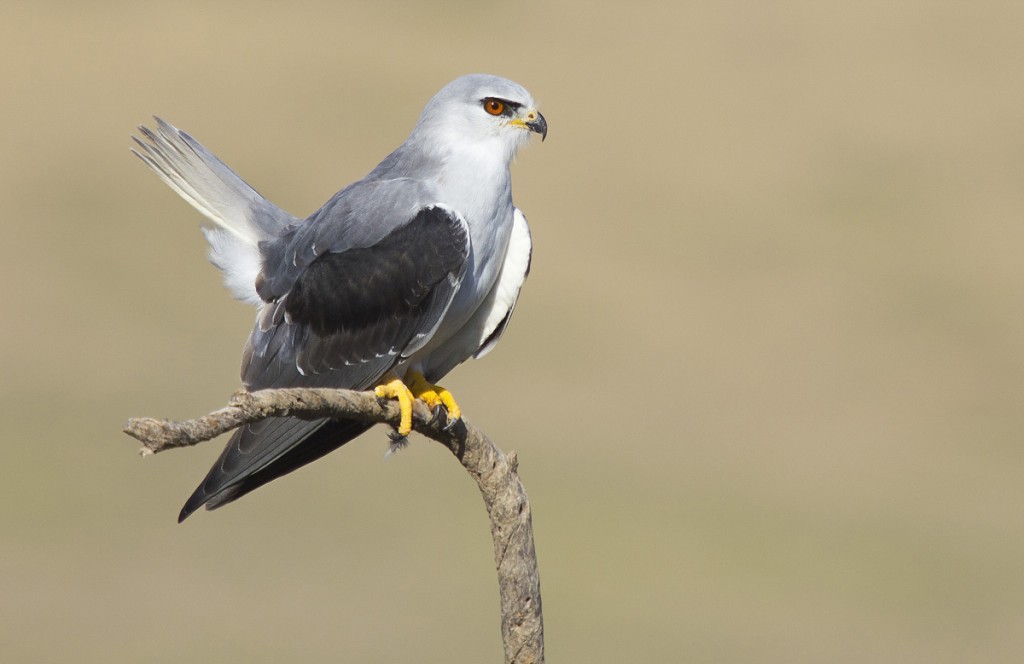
(482, 195)
(481, 192)
(489, 238)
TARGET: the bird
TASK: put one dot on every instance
(397, 279)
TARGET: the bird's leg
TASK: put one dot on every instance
(435, 396)
(392, 387)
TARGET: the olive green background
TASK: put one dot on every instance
(765, 380)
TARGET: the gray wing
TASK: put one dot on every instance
(349, 316)
(263, 451)
(346, 319)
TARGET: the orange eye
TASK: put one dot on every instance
(494, 106)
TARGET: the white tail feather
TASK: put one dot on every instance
(243, 217)
(238, 261)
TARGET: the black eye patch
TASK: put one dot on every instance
(500, 107)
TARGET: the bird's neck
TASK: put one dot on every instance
(473, 177)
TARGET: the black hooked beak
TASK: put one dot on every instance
(537, 124)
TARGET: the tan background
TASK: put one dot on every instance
(765, 379)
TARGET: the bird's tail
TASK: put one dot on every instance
(242, 216)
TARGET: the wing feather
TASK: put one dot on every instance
(348, 317)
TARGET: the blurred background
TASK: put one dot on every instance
(765, 380)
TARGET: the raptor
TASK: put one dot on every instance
(391, 284)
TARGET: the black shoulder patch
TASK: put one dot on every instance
(385, 286)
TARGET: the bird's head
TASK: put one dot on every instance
(483, 110)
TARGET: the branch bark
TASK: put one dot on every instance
(496, 475)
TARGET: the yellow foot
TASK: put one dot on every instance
(394, 388)
(435, 396)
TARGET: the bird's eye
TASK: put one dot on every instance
(494, 106)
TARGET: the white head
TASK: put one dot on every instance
(480, 109)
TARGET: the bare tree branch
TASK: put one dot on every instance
(495, 473)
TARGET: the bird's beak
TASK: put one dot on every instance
(533, 121)
(536, 123)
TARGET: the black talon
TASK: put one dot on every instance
(449, 425)
(395, 437)
(439, 412)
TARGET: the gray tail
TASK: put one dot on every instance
(242, 216)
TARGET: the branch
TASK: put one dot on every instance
(522, 628)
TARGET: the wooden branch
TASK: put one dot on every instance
(522, 627)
